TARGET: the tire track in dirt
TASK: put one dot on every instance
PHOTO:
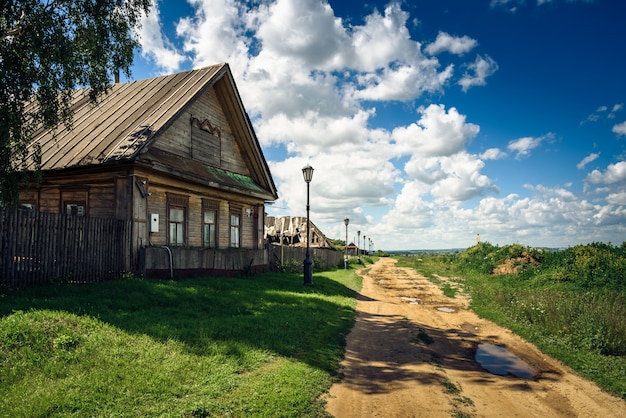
(405, 358)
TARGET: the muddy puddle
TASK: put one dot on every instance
(498, 360)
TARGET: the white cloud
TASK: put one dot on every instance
(478, 71)
(307, 78)
(436, 133)
(403, 83)
(614, 173)
(455, 178)
(620, 129)
(589, 158)
(212, 37)
(305, 30)
(493, 154)
(505, 3)
(601, 111)
(463, 179)
(155, 46)
(523, 146)
(553, 192)
(315, 132)
(452, 44)
(618, 198)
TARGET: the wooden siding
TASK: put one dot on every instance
(157, 204)
(187, 139)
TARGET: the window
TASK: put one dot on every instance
(75, 208)
(177, 219)
(177, 225)
(210, 209)
(74, 200)
(27, 207)
(235, 230)
(208, 228)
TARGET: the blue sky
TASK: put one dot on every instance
(427, 122)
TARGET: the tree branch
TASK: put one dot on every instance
(17, 28)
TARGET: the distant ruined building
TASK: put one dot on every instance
(291, 231)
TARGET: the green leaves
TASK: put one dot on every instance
(48, 49)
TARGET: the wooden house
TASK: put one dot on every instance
(291, 230)
(177, 156)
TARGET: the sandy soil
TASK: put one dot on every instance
(389, 371)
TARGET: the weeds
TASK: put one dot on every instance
(571, 303)
(451, 388)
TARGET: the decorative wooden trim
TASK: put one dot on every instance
(210, 204)
(206, 126)
(177, 200)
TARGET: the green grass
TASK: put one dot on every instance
(261, 345)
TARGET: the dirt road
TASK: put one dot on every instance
(407, 358)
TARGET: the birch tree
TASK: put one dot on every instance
(47, 49)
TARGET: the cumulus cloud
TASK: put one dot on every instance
(620, 129)
(618, 198)
(477, 72)
(211, 37)
(310, 82)
(452, 44)
(155, 46)
(463, 179)
(437, 133)
(614, 173)
(305, 30)
(454, 178)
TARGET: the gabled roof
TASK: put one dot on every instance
(128, 119)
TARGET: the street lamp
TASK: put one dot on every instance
(358, 247)
(307, 172)
(365, 243)
(346, 221)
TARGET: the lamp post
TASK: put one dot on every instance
(307, 172)
(345, 260)
(365, 243)
(358, 247)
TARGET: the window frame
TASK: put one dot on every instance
(177, 202)
(209, 206)
(77, 204)
(234, 230)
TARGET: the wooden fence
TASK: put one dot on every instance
(177, 262)
(36, 248)
(181, 262)
(281, 257)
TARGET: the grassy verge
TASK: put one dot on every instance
(583, 327)
(249, 346)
